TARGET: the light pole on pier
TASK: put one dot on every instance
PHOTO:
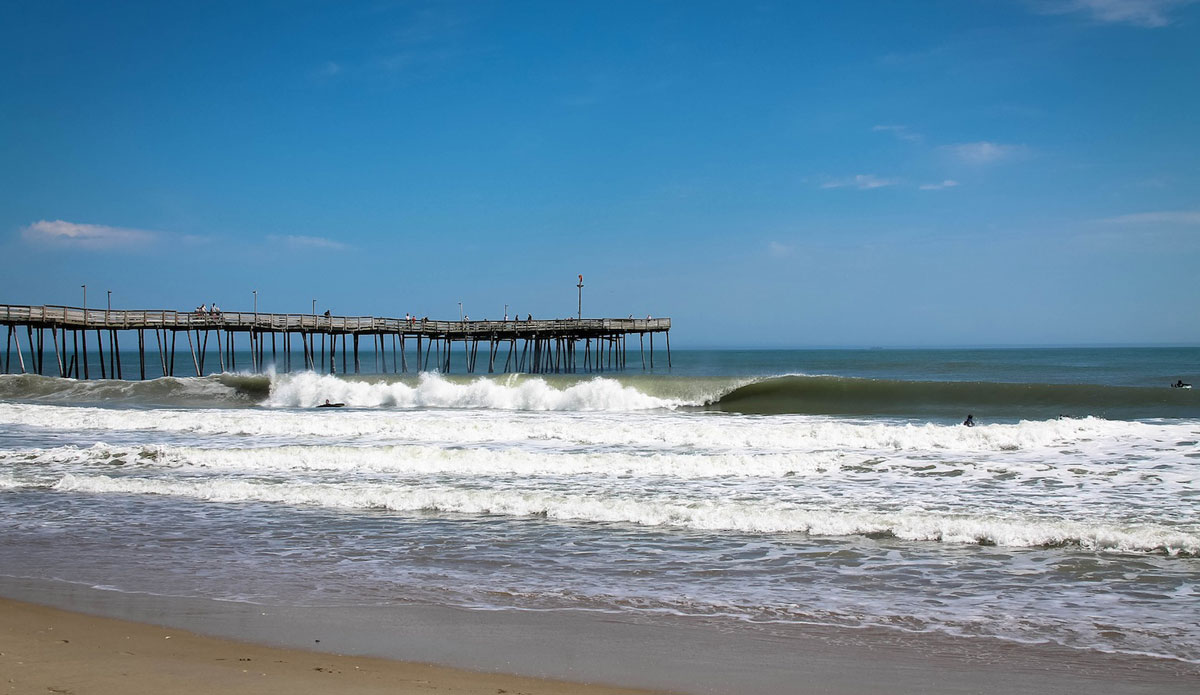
(255, 292)
(580, 286)
(460, 312)
(84, 304)
(109, 309)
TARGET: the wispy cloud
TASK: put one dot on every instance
(862, 182)
(306, 242)
(900, 131)
(778, 249)
(87, 236)
(948, 183)
(985, 152)
(327, 70)
(1175, 217)
(1140, 13)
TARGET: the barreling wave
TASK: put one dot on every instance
(832, 395)
(707, 515)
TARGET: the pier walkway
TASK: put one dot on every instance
(535, 346)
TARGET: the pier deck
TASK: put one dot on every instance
(534, 346)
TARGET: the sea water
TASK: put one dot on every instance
(756, 490)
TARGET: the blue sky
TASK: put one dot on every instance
(969, 172)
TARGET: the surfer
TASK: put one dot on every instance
(327, 404)
(970, 421)
(1180, 385)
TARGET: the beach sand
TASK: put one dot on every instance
(50, 650)
(47, 650)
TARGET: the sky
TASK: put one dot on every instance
(770, 174)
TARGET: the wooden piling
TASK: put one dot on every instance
(57, 359)
(100, 353)
(192, 349)
(20, 357)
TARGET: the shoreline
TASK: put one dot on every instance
(553, 652)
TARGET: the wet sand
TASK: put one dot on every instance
(194, 645)
(47, 650)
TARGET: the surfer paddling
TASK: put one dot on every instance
(970, 421)
(327, 404)
(1180, 385)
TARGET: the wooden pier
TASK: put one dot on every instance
(535, 347)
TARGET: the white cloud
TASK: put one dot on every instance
(862, 182)
(1184, 217)
(1141, 13)
(307, 242)
(948, 183)
(328, 70)
(985, 152)
(779, 250)
(87, 236)
(900, 131)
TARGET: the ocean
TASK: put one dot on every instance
(756, 491)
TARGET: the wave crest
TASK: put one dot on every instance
(431, 390)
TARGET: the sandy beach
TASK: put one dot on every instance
(187, 646)
(47, 650)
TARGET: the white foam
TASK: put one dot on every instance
(686, 431)
(660, 510)
(308, 389)
(427, 460)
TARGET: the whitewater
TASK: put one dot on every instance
(719, 497)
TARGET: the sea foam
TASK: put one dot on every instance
(514, 392)
(662, 511)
